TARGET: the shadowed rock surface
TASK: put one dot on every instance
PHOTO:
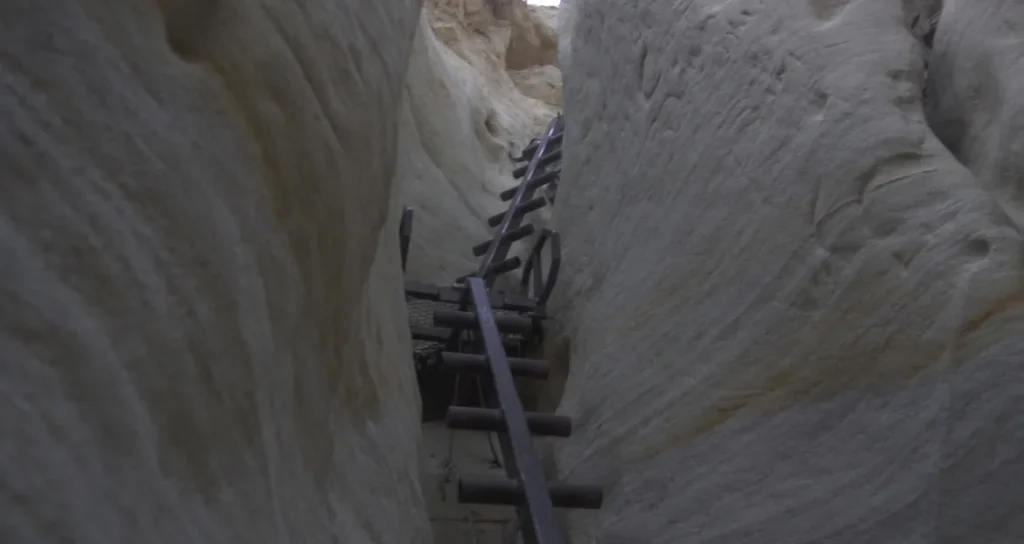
(200, 305)
(789, 309)
(791, 315)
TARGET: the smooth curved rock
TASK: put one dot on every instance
(199, 286)
(461, 111)
(789, 314)
(976, 81)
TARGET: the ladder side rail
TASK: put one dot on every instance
(499, 247)
(537, 520)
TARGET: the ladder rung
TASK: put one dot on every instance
(477, 364)
(531, 185)
(554, 140)
(422, 291)
(453, 295)
(458, 319)
(430, 334)
(493, 420)
(522, 209)
(511, 236)
(507, 265)
(510, 492)
(516, 303)
(545, 160)
(441, 336)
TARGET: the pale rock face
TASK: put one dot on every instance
(564, 21)
(461, 110)
(200, 279)
(790, 315)
(921, 15)
(977, 105)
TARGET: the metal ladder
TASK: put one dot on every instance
(489, 324)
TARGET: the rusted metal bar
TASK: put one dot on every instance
(474, 363)
(458, 319)
(507, 265)
(537, 278)
(531, 148)
(545, 160)
(452, 295)
(493, 420)
(526, 153)
(444, 336)
(532, 270)
(429, 334)
(517, 213)
(479, 490)
(511, 236)
(531, 184)
(556, 264)
(522, 463)
(498, 249)
(405, 234)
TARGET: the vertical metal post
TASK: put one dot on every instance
(405, 234)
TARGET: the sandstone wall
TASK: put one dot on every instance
(789, 313)
(200, 280)
(976, 102)
(463, 106)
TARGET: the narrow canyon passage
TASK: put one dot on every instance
(786, 307)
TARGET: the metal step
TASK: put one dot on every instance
(405, 234)
(531, 185)
(511, 236)
(507, 265)
(519, 211)
(453, 295)
(544, 160)
(476, 363)
(430, 334)
(493, 420)
(510, 492)
(528, 151)
(441, 336)
(458, 319)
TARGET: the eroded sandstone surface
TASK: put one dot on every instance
(482, 78)
(976, 104)
(789, 313)
(202, 322)
(789, 308)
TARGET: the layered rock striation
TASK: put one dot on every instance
(788, 311)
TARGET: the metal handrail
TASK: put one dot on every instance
(499, 248)
(522, 463)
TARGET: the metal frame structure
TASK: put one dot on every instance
(477, 344)
(494, 260)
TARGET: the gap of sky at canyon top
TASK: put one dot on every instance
(543, 2)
